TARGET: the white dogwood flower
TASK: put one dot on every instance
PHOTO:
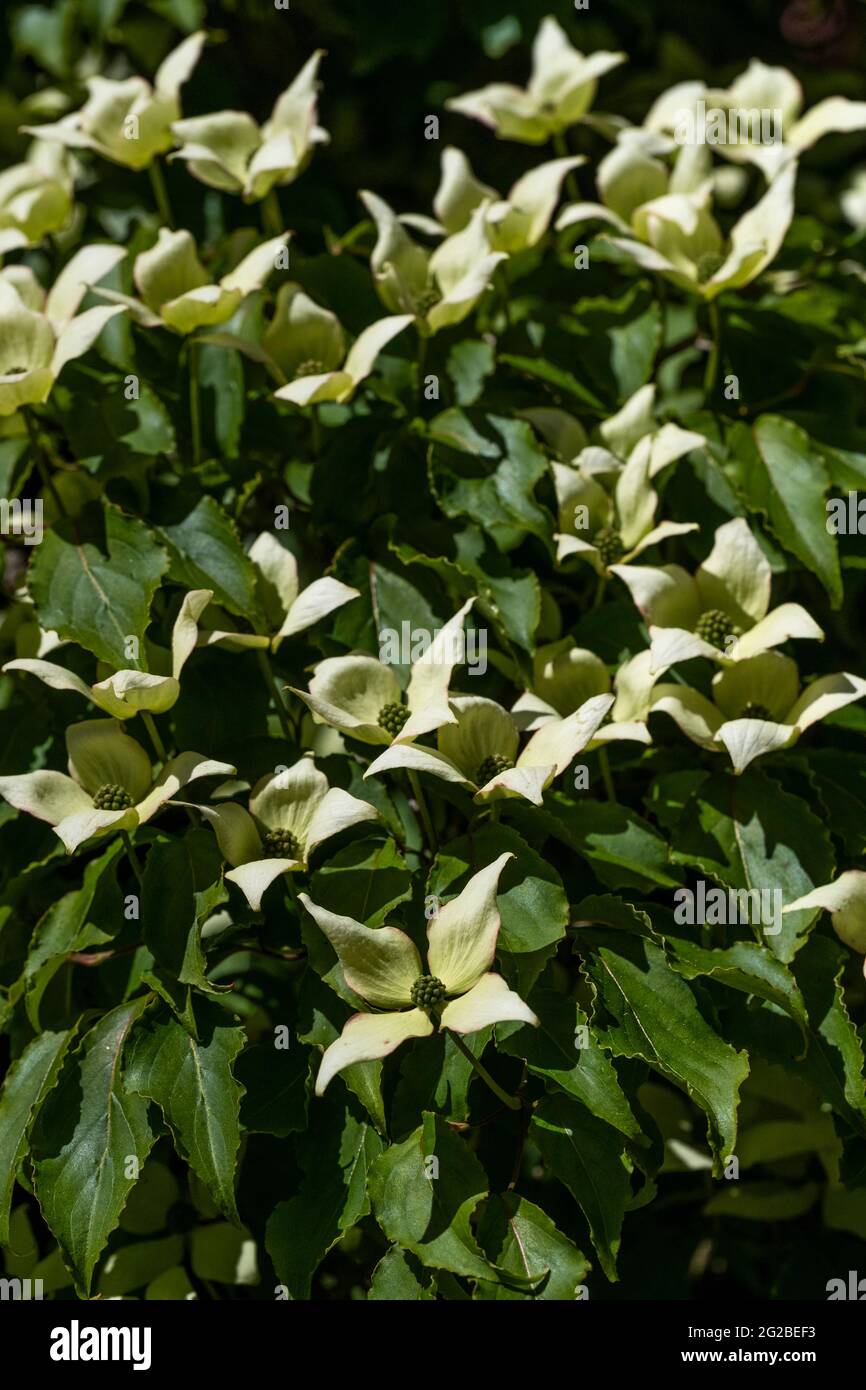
(458, 991)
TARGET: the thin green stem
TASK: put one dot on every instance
(153, 733)
(194, 402)
(39, 459)
(560, 145)
(282, 713)
(130, 854)
(160, 193)
(272, 217)
(604, 764)
(712, 366)
(599, 589)
(424, 811)
(511, 1101)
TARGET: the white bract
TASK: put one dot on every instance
(480, 751)
(607, 507)
(722, 611)
(291, 812)
(756, 120)
(129, 122)
(757, 707)
(845, 900)
(176, 291)
(566, 677)
(288, 609)
(438, 288)
(382, 965)
(666, 221)
(111, 786)
(362, 697)
(124, 693)
(560, 92)
(514, 223)
(230, 151)
(40, 333)
(36, 197)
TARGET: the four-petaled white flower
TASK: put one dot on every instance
(362, 697)
(129, 122)
(480, 751)
(228, 150)
(607, 507)
(722, 611)
(382, 965)
(36, 197)
(567, 677)
(291, 812)
(177, 292)
(124, 693)
(287, 608)
(40, 333)
(111, 786)
(757, 706)
(515, 223)
(439, 288)
(560, 92)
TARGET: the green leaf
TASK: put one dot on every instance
(645, 1009)
(192, 1082)
(521, 1238)
(470, 363)
(27, 1083)
(275, 1082)
(745, 966)
(623, 849)
(465, 481)
(88, 916)
(789, 485)
(748, 833)
(398, 1277)
(365, 880)
(587, 1157)
(169, 918)
(99, 597)
(207, 554)
(90, 1144)
(435, 1075)
(763, 1201)
(426, 1206)
(554, 1051)
(336, 1158)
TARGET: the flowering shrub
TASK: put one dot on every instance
(431, 764)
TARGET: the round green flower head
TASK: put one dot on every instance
(608, 542)
(715, 627)
(755, 711)
(112, 797)
(280, 844)
(392, 717)
(491, 767)
(427, 992)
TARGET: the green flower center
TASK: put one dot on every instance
(427, 992)
(491, 767)
(425, 299)
(311, 366)
(755, 711)
(707, 266)
(112, 797)
(281, 844)
(392, 717)
(715, 627)
(608, 543)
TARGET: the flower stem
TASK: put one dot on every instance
(39, 459)
(130, 854)
(599, 590)
(160, 193)
(606, 775)
(424, 811)
(153, 732)
(560, 145)
(712, 366)
(511, 1101)
(194, 403)
(270, 682)
(272, 217)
